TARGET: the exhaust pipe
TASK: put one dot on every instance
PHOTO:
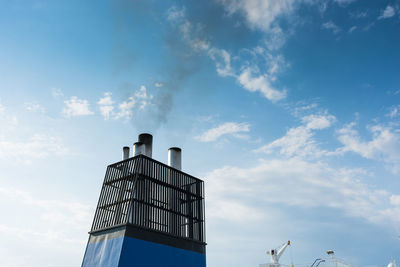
(138, 149)
(125, 152)
(175, 158)
(147, 140)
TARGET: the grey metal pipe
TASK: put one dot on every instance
(138, 148)
(125, 152)
(175, 158)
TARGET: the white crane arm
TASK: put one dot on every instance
(282, 249)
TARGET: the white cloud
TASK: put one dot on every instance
(57, 226)
(175, 14)
(388, 12)
(222, 60)
(34, 107)
(331, 26)
(194, 38)
(302, 108)
(38, 146)
(158, 84)
(384, 145)
(299, 141)
(275, 39)
(126, 108)
(394, 112)
(298, 183)
(76, 107)
(344, 2)
(24, 151)
(274, 62)
(359, 15)
(191, 36)
(139, 99)
(190, 33)
(323, 6)
(144, 98)
(352, 29)
(260, 83)
(228, 128)
(395, 200)
(52, 211)
(318, 122)
(106, 105)
(56, 92)
(8, 121)
(261, 14)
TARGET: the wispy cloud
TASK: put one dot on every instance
(331, 26)
(76, 107)
(359, 15)
(275, 38)
(260, 14)
(140, 99)
(38, 146)
(57, 92)
(54, 224)
(260, 83)
(2, 108)
(299, 141)
(388, 12)
(73, 212)
(191, 34)
(394, 112)
(222, 60)
(248, 77)
(126, 108)
(7, 121)
(25, 150)
(352, 29)
(344, 2)
(106, 105)
(228, 128)
(369, 26)
(297, 183)
(34, 107)
(384, 145)
(175, 13)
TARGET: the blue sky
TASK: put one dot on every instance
(289, 110)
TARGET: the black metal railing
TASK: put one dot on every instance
(149, 194)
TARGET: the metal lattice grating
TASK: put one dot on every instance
(149, 194)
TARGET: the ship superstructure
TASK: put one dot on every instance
(148, 214)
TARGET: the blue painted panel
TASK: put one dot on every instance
(104, 253)
(136, 252)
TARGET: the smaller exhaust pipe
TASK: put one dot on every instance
(138, 149)
(175, 158)
(125, 152)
